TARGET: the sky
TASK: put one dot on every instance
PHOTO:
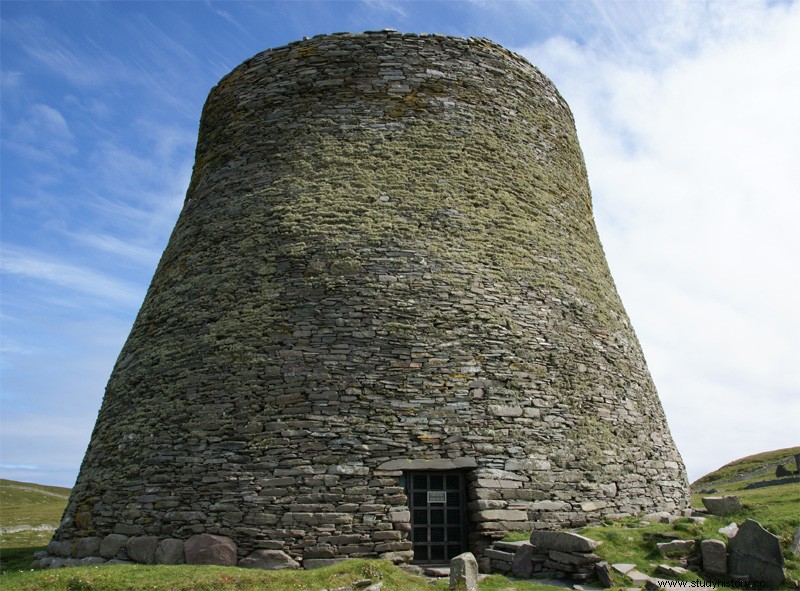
(687, 114)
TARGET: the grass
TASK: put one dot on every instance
(743, 467)
(28, 515)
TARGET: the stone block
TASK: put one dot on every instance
(142, 549)
(88, 547)
(756, 553)
(603, 573)
(269, 560)
(170, 551)
(522, 565)
(563, 541)
(722, 505)
(464, 573)
(714, 555)
(210, 549)
(112, 544)
(675, 547)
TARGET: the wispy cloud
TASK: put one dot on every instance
(689, 154)
(21, 263)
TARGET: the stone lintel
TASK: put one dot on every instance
(438, 464)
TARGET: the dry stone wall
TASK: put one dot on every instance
(386, 261)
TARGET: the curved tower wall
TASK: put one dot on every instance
(386, 265)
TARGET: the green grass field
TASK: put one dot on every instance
(777, 508)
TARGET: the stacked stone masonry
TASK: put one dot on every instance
(386, 262)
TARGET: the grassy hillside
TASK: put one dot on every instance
(28, 515)
(755, 468)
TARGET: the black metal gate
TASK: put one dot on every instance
(438, 515)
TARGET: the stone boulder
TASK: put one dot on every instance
(795, 547)
(729, 530)
(112, 544)
(675, 547)
(269, 560)
(170, 551)
(464, 573)
(714, 555)
(210, 549)
(562, 541)
(722, 505)
(522, 565)
(603, 573)
(87, 547)
(142, 549)
(756, 553)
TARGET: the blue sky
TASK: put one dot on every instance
(686, 112)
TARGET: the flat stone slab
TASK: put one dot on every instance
(562, 541)
(722, 505)
(623, 567)
(437, 571)
(464, 573)
(755, 553)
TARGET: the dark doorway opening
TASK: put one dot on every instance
(437, 501)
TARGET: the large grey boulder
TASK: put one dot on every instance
(714, 555)
(142, 549)
(464, 573)
(210, 549)
(722, 505)
(522, 565)
(756, 553)
(170, 551)
(603, 573)
(87, 547)
(562, 541)
(269, 560)
(112, 544)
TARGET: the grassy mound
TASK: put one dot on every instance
(755, 468)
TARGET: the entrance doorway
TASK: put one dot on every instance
(437, 501)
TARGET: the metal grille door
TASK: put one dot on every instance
(438, 515)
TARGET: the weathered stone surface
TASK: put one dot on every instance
(671, 571)
(112, 544)
(722, 505)
(714, 555)
(522, 565)
(464, 573)
(386, 261)
(603, 573)
(623, 567)
(269, 560)
(88, 547)
(210, 549)
(729, 530)
(142, 549)
(576, 558)
(756, 553)
(170, 551)
(675, 547)
(563, 541)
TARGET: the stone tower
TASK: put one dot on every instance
(383, 325)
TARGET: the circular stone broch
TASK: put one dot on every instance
(383, 326)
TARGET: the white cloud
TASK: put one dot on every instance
(691, 144)
(22, 263)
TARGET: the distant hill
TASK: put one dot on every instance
(25, 506)
(751, 469)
